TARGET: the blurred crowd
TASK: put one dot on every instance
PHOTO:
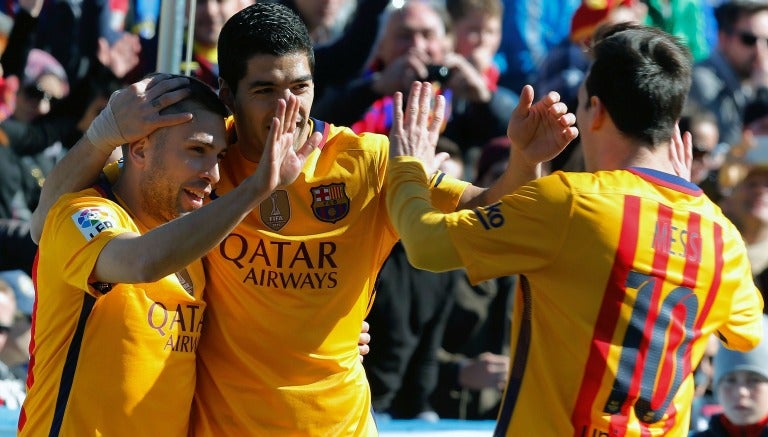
(440, 344)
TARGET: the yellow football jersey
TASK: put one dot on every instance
(107, 359)
(287, 293)
(625, 276)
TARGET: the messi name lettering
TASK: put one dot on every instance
(677, 241)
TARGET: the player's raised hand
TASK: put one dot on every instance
(281, 162)
(681, 153)
(540, 131)
(415, 132)
(133, 113)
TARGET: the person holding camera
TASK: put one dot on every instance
(414, 44)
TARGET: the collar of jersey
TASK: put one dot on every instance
(667, 180)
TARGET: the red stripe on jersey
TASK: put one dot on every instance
(677, 330)
(717, 236)
(675, 337)
(658, 269)
(608, 316)
(31, 363)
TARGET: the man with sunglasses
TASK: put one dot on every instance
(21, 174)
(726, 81)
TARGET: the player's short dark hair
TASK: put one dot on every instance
(263, 28)
(642, 75)
(201, 95)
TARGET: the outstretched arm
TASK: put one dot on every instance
(538, 132)
(130, 115)
(174, 245)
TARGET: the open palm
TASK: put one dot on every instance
(541, 130)
(280, 162)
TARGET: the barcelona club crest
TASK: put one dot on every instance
(330, 202)
(275, 211)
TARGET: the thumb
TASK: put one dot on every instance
(438, 160)
(525, 102)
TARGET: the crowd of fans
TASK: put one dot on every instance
(440, 344)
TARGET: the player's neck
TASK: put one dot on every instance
(632, 154)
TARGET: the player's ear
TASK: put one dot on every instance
(226, 95)
(598, 113)
(137, 151)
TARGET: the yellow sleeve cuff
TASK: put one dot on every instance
(445, 191)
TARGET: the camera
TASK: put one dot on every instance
(437, 73)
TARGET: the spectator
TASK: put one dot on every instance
(344, 59)
(15, 353)
(531, 29)
(12, 391)
(44, 81)
(704, 400)
(741, 384)
(564, 67)
(42, 126)
(744, 179)
(22, 176)
(210, 16)
(728, 79)
(477, 35)
(325, 19)
(409, 318)
(414, 42)
(474, 356)
(72, 32)
(707, 157)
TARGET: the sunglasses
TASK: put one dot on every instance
(699, 152)
(4, 329)
(35, 93)
(748, 38)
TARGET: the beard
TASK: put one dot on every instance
(160, 196)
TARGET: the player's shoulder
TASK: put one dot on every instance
(344, 138)
(85, 212)
(88, 201)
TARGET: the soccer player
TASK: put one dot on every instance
(119, 306)
(625, 271)
(289, 287)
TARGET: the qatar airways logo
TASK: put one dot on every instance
(179, 324)
(283, 264)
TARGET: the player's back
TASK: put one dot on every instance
(636, 270)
